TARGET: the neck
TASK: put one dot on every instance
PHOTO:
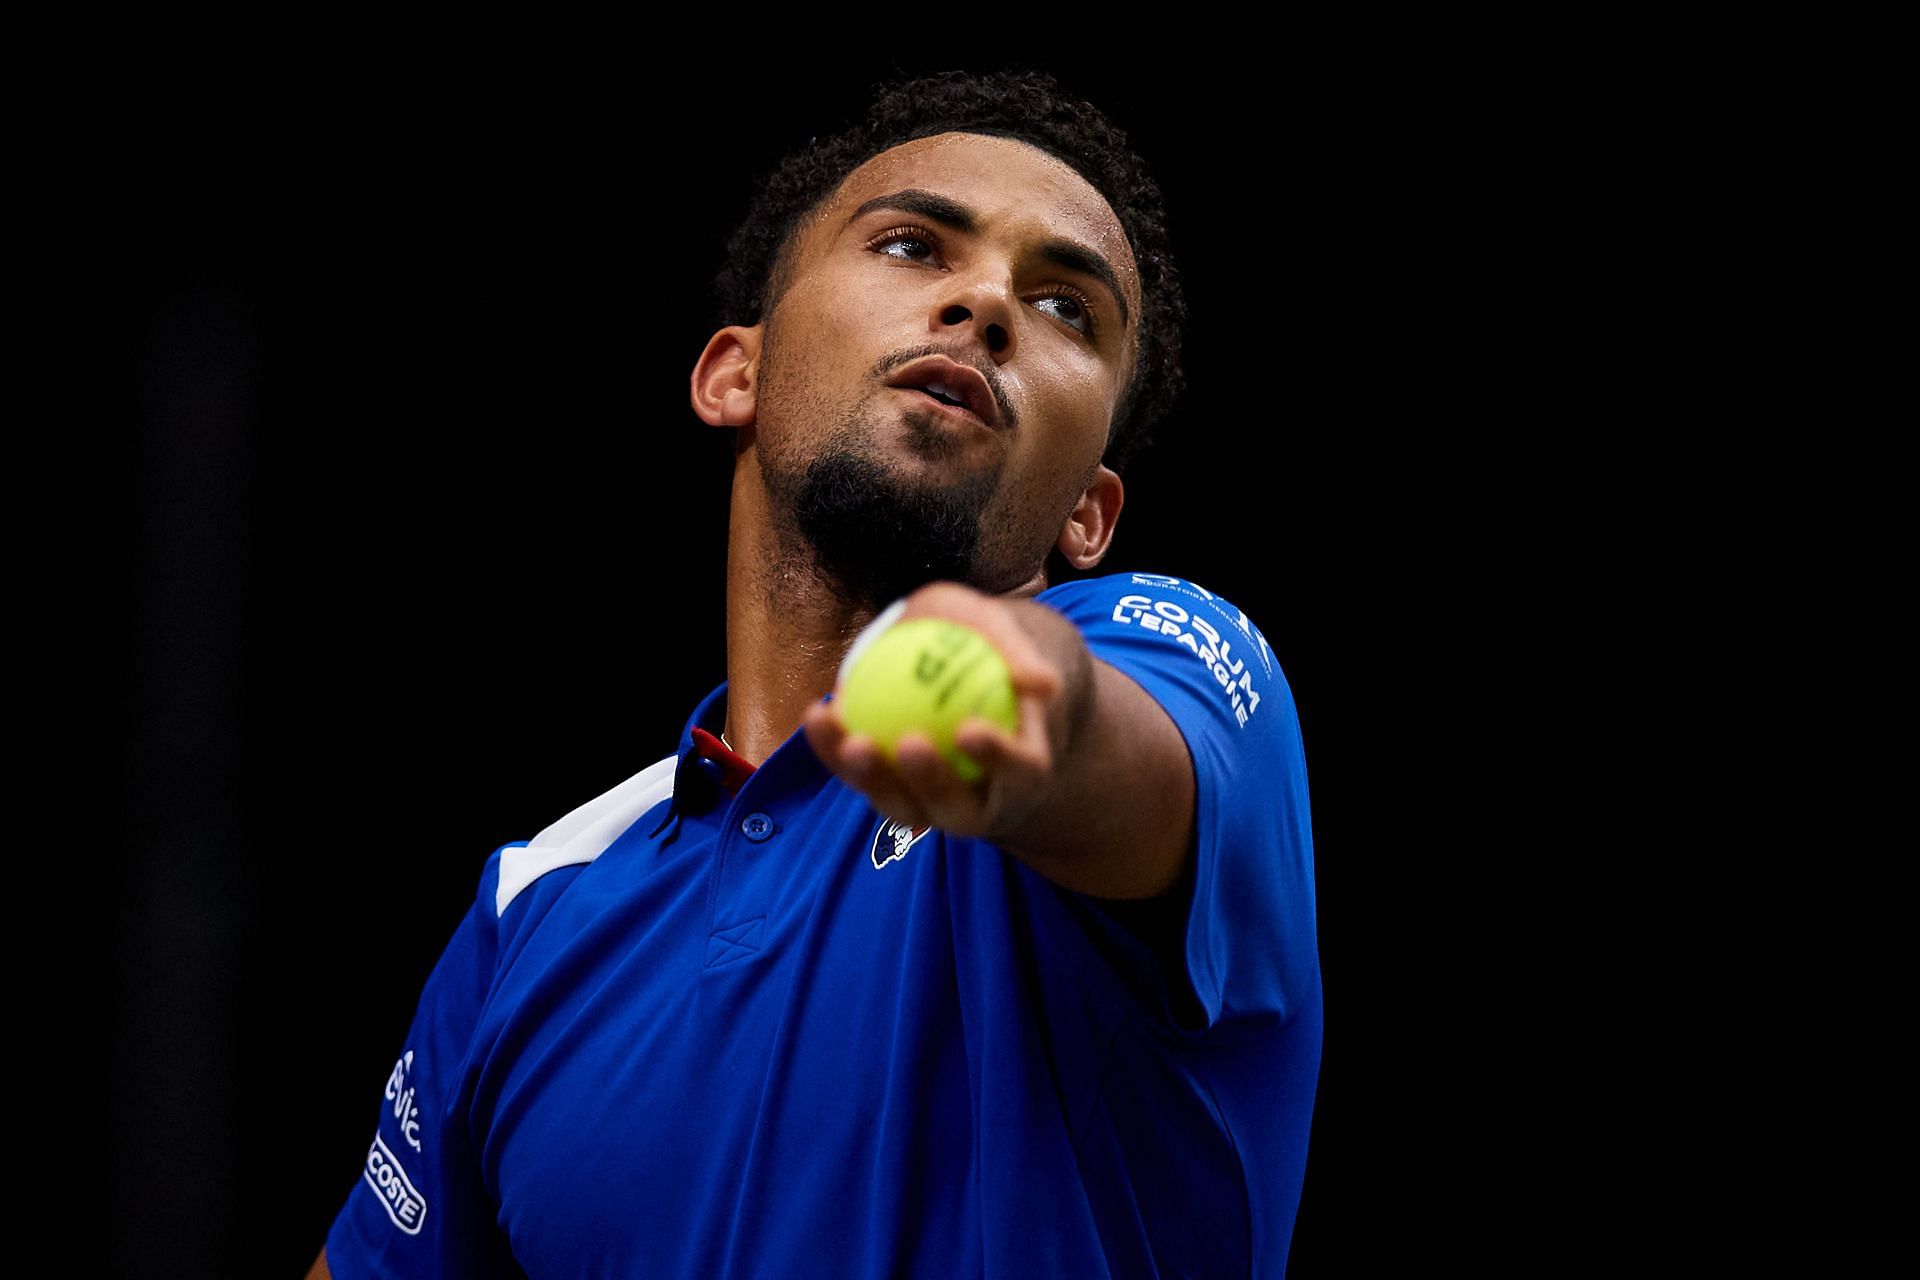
(788, 624)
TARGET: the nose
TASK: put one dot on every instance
(982, 303)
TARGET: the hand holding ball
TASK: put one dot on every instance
(925, 675)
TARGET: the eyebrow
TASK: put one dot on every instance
(952, 214)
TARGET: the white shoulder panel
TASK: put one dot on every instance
(584, 834)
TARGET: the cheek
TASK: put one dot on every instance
(839, 299)
(1079, 401)
(812, 332)
(835, 324)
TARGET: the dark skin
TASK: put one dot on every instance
(1094, 788)
(1062, 792)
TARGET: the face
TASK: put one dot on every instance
(992, 254)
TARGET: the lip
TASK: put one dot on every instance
(958, 413)
(967, 381)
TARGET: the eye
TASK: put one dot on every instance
(1078, 312)
(907, 236)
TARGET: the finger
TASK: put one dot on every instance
(1028, 667)
(930, 776)
(1035, 746)
(863, 766)
(825, 732)
(951, 801)
(885, 791)
(946, 599)
(1029, 747)
(859, 758)
(987, 744)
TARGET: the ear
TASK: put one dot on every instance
(726, 377)
(1089, 529)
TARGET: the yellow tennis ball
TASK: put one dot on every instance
(927, 675)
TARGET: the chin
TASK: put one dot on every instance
(933, 434)
(881, 534)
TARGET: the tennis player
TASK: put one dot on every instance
(780, 1006)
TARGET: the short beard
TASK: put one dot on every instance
(878, 538)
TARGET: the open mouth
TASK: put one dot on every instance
(949, 402)
(952, 385)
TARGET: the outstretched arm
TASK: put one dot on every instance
(1093, 790)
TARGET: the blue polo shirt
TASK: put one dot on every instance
(722, 1022)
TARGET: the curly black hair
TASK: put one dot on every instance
(1029, 106)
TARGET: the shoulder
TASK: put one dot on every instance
(1154, 625)
(1158, 603)
(577, 839)
(1236, 940)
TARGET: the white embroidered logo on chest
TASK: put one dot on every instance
(897, 839)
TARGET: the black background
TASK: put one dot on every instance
(425, 548)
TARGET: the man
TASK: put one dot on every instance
(779, 1005)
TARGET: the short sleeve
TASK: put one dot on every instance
(1242, 921)
(419, 1207)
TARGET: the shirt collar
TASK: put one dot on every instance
(708, 767)
(709, 771)
(710, 714)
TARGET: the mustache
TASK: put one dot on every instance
(971, 358)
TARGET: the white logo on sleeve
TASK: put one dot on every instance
(400, 1094)
(1204, 641)
(1239, 619)
(404, 1203)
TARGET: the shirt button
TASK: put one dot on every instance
(758, 827)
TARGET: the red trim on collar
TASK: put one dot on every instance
(734, 767)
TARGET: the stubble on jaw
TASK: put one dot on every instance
(870, 534)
